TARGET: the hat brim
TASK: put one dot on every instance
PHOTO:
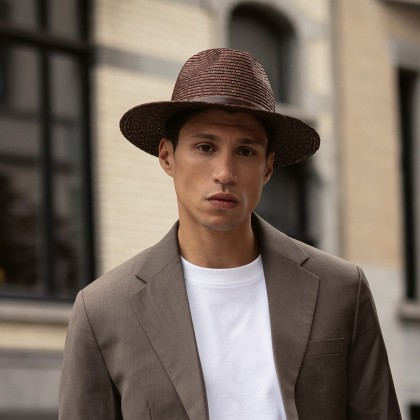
(293, 140)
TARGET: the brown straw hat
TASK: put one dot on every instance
(227, 79)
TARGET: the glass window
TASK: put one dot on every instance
(64, 18)
(67, 171)
(285, 201)
(46, 240)
(20, 174)
(270, 38)
(20, 13)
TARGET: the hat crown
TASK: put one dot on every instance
(224, 73)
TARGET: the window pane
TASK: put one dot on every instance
(63, 18)
(22, 13)
(249, 34)
(67, 137)
(20, 191)
(270, 39)
(285, 203)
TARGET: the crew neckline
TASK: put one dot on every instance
(222, 277)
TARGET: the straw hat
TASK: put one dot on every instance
(227, 79)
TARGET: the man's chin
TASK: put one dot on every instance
(223, 225)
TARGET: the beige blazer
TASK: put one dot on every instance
(131, 353)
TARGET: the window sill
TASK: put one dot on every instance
(49, 313)
(409, 311)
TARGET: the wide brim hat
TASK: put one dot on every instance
(222, 78)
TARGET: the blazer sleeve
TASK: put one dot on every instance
(86, 390)
(371, 393)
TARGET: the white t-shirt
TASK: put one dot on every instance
(229, 310)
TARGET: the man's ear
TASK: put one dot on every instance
(269, 168)
(166, 156)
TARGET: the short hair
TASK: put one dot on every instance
(178, 120)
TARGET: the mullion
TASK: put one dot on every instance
(47, 175)
(88, 271)
(43, 15)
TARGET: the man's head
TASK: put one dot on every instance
(222, 78)
(219, 164)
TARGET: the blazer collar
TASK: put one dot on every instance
(162, 309)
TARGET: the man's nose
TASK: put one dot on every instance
(224, 171)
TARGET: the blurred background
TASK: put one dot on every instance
(76, 198)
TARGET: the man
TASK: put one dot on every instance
(225, 318)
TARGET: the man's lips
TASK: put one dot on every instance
(224, 201)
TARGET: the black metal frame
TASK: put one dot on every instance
(415, 412)
(45, 43)
(406, 84)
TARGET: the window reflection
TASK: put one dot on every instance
(20, 188)
(21, 13)
(45, 231)
(67, 174)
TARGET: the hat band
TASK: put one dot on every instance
(227, 100)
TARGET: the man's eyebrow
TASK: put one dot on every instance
(243, 141)
(206, 136)
(252, 141)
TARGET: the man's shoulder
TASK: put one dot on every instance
(127, 277)
(327, 267)
(324, 264)
(309, 257)
(121, 280)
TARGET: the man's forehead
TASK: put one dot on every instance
(221, 118)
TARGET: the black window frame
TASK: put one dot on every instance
(407, 81)
(79, 48)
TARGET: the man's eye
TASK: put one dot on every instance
(246, 152)
(205, 148)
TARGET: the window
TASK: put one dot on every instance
(46, 245)
(415, 412)
(286, 204)
(408, 106)
(270, 37)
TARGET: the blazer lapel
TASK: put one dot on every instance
(292, 296)
(162, 308)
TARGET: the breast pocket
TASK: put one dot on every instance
(321, 385)
(324, 347)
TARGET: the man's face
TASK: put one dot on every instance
(219, 168)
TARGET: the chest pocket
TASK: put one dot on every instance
(321, 385)
(324, 347)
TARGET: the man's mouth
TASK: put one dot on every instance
(223, 201)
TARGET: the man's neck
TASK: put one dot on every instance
(218, 249)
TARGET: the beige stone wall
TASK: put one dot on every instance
(135, 203)
(368, 34)
(162, 28)
(27, 336)
(369, 135)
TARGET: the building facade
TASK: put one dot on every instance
(377, 62)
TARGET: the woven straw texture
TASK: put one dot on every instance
(222, 78)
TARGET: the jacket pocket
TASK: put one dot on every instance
(324, 347)
(321, 387)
